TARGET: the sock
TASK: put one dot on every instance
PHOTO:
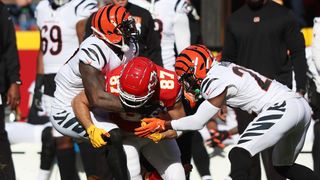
(44, 174)
(206, 177)
(66, 163)
(297, 172)
(240, 163)
(116, 156)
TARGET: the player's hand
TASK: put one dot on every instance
(37, 100)
(217, 137)
(152, 125)
(156, 137)
(96, 136)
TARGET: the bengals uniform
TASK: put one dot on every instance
(58, 30)
(280, 111)
(168, 92)
(92, 51)
(172, 23)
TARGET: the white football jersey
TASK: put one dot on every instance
(58, 30)
(247, 89)
(92, 51)
(165, 13)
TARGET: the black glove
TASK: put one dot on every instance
(37, 95)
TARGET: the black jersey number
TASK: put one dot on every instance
(54, 38)
(263, 84)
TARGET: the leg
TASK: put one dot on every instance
(6, 163)
(66, 158)
(48, 152)
(185, 149)
(271, 173)
(316, 148)
(200, 156)
(116, 156)
(88, 153)
(165, 157)
(243, 119)
(297, 172)
(240, 163)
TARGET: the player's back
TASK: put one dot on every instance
(58, 30)
(247, 89)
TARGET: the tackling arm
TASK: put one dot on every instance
(80, 106)
(93, 82)
(205, 112)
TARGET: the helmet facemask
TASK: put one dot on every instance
(127, 29)
(191, 83)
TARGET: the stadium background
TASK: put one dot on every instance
(213, 17)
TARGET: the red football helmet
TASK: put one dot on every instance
(114, 24)
(192, 65)
(137, 82)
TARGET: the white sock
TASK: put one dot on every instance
(44, 174)
(206, 177)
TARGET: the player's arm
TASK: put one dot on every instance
(39, 81)
(80, 106)
(175, 112)
(197, 121)
(93, 82)
(80, 27)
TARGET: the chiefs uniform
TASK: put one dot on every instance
(168, 92)
(171, 21)
(165, 155)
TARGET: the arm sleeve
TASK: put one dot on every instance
(9, 47)
(153, 50)
(229, 51)
(296, 45)
(181, 31)
(198, 120)
(85, 8)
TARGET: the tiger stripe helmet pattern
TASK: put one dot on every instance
(192, 65)
(108, 20)
(196, 60)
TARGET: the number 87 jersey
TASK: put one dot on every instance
(167, 91)
(246, 89)
(58, 30)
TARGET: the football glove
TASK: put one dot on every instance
(153, 125)
(156, 137)
(217, 137)
(97, 136)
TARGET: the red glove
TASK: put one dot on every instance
(153, 125)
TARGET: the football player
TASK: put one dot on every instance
(283, 116)
(140, 83)
(171, 21)
(113, 43)
(58, 42)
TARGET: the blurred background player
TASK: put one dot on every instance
(9, 87)
(59, 41)
(142, 83)
(171, 21)
(113, 43)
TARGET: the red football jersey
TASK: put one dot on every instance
(168, 92)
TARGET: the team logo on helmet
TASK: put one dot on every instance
(114, 24)
(192, 65)
(137, 82)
